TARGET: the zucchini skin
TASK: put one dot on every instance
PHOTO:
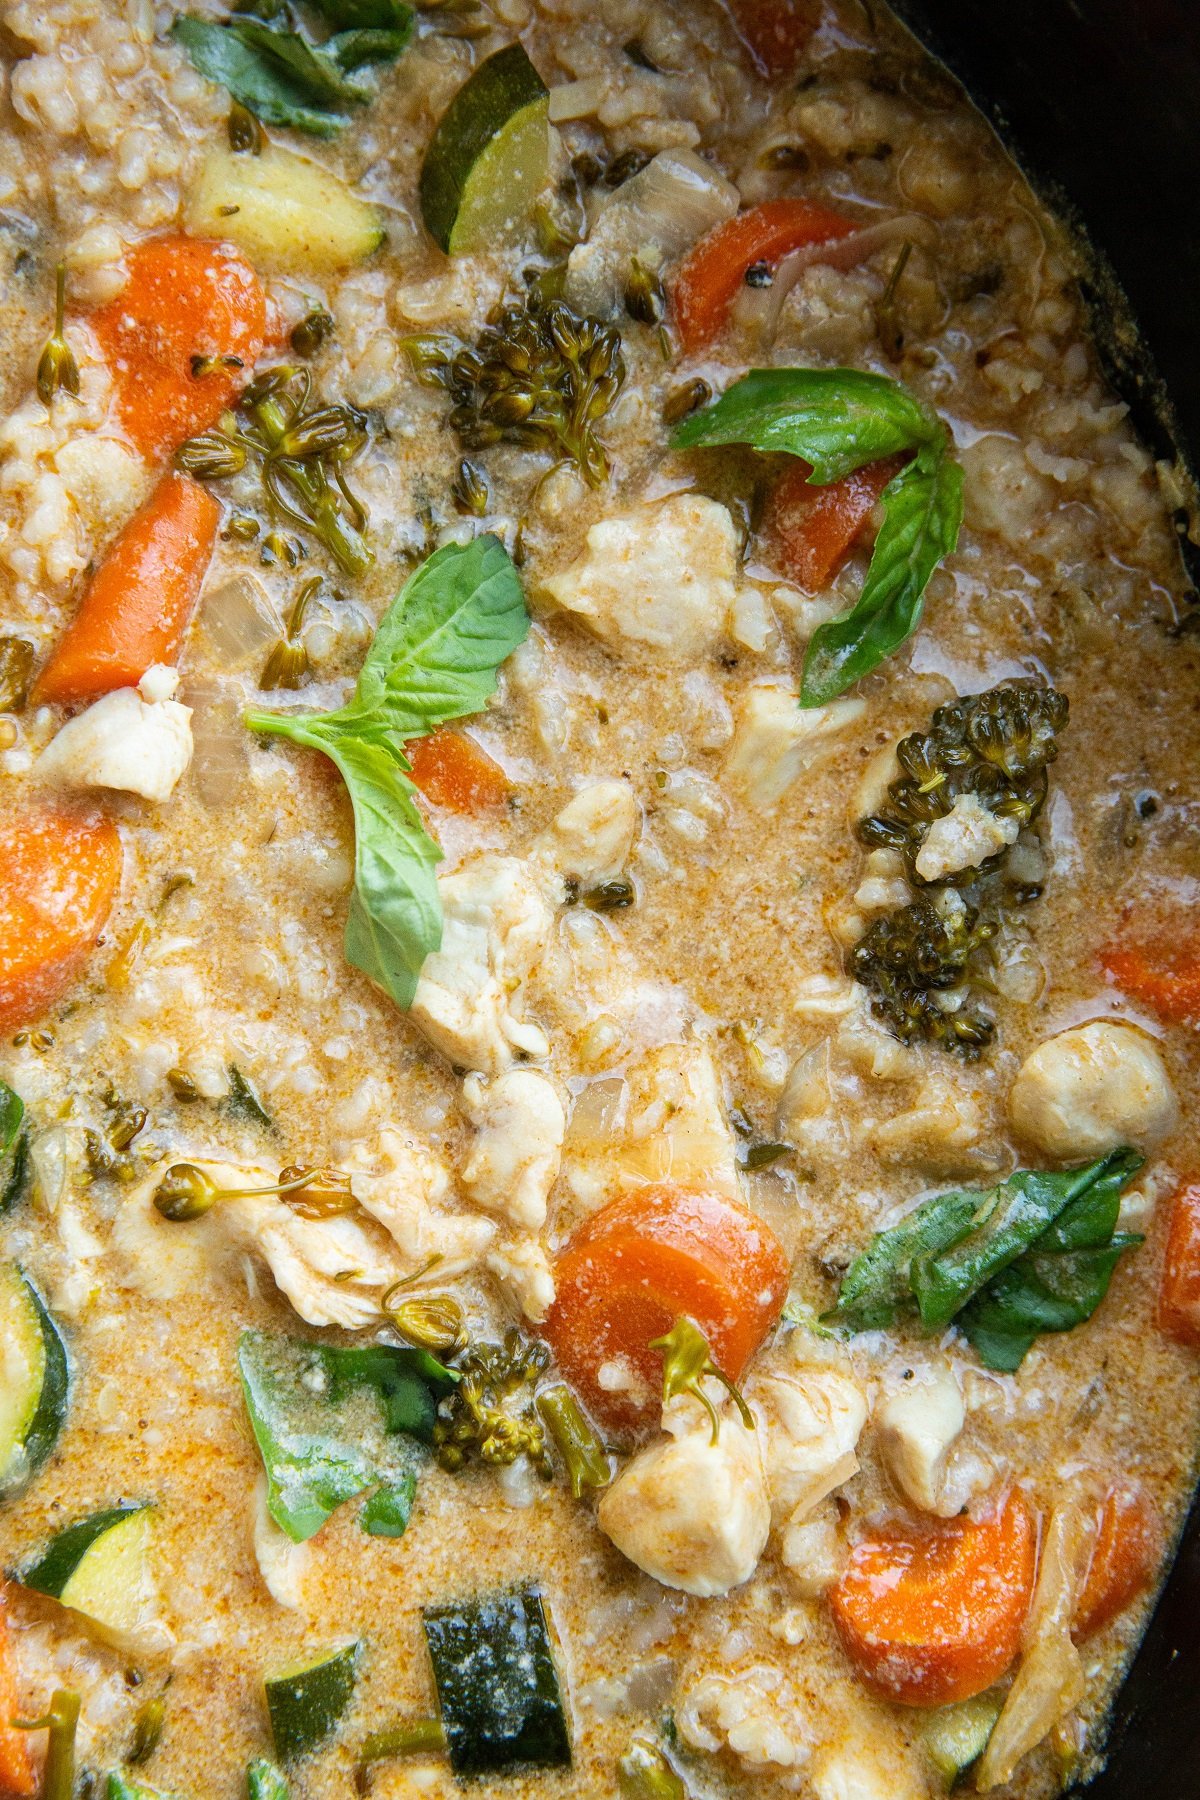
(42, 1432)
(304, 1705)
(500, 87)
(497, 1685)
(52, 1571)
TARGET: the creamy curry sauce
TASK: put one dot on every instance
(711, 1014)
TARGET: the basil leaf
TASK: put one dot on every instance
(330, 1422)
(922, 515)
(433, 658)
(838, 420)
(878, 1284)
(12, 1111)
(366, 15)
(282, 78)
(264, 1781)
(1035, 1253)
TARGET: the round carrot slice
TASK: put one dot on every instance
(928, 1615)
(18, 1778)
(640, 1263)
(1127, 1552)
(180, 338)
(60, 879)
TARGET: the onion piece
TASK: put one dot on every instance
(657, 214)
(766, 304)
(220, 743)
(1050, 1681)
(239, 621)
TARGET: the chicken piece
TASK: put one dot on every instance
(691, 1513)
(916, 1427)
(283, 1565)
(966, 837)
(470, 998)
(522, 1268)
(514, 1161)
(776, 740)
(140, 745)
(1092, 1089)
(331, 1271)
(591, 839)
(814, 1417)
(663, 577)
(674, 1128)
(401, 1184)
(853, 1773)
(814, 1552)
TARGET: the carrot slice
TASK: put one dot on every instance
(141, 597)
(1126, 1555)
(775, 31)
(708, 282)
(928, 1615)
(635, 1267)
(1179, 1285)
(60, 879)
(453, 771)
(1165, 975)
(180, 338)
(813, 529)
(17, 1780)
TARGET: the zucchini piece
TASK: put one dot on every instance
(497, 1685)
(264, 1782)
(283, 211)
(956, 1736)
(33, 1388)
(100, 1567)
(489, 158)
(121, 1788)
(306, 1701)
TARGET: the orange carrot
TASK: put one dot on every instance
(775, 31)
(141, 597)
(180, 338)
(931, 1614)
(709, 280)
(453, 771)
(17, 1780)
(60, 879)
(1164, 975)
(811, 530)
(641, 1262)
(1179, 1285)
(1126, 1555)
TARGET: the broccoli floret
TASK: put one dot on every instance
(542, 376)
(996, 745)
(491, 1414)
(912, 955)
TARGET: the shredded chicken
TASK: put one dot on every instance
(514, 1160)
(777, 739)
(916, 1428)
(139, 744)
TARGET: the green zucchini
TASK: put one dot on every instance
(284, 211)
(100, 1567)
(120, 1788)
(33, 1392)
(305, 1702)
(14, 1147)
(956, 1736)
(497, 1686)
(489, 158)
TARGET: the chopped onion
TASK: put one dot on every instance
(221, 751)
(577, 99)
(239, 621)
(596, 1113)
(655, 215)
(1050, 1681)
(55, 1157)
(837, 253)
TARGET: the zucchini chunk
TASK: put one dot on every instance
(121, 1788)
(33, 1392)
(100, 1567)
(284, 211)
(956, 1736)
(497, 1685)
(489, 158)
(306, 1701)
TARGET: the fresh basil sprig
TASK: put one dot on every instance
(838, 420)
(282, 78)
(1034, 1254)
(332, 1421)
(434, 658)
